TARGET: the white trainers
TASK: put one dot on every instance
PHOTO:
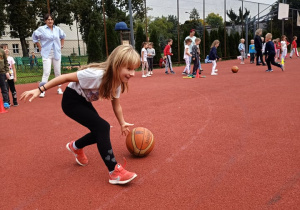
(216, 70)
(42, 95)
(59, 91)
(148, 75)
(144, 76)
(214, 74)
(151, 72)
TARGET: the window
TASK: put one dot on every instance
(36, 49)
(27, 46)
(3, 33)
(15, 48)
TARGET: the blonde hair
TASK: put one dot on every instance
(197, 39)
(214, 43)
(258, 31)
(268, 36)
(242, 39)
(122, 56)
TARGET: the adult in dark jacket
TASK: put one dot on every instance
(258, 46)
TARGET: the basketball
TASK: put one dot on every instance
(140, 141)
(235, 69)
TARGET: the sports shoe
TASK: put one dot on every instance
(267, 70)
(144, 76)
(172, 72)
(59, 91)
(80, 157)
(183, 73)
(42, 95)
(6, 105)
(120, 175)
(148, 75)
(216, 70)
(151, 72)
(214, 74)
(16, 103)
(167, 72)
(282, 67)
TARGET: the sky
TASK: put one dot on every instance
(169, 7)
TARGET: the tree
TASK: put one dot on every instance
(237, 19)
(214, 20)
(194, 15)
(156, 45)
(19, 17)
(113, 39)
(140, 38)
(93, 46)
(2, 18)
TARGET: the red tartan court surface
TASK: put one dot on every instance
(222, 142)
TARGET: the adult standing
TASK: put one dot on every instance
(193, 38)
(258, 46)
(51, 42)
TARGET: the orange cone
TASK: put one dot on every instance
(197, 74)
(2, 109)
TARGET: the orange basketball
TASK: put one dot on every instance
(140, 141)
(234, 69)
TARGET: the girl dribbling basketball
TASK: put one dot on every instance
(105, 80)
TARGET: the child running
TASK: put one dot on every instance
(213, 57)
(294, 48)
(105, 80)
(187, 56)
(144, 60)
(167, 54)
(270, 53)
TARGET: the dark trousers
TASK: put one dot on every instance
(4, 87)
(77, 108)
(196, 65)
(259, 55)
(252, 56)
(271, 60)
(12, 88)
(150, 64)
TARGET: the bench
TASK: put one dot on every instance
(74, 62)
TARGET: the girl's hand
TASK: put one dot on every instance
(7, 76)
(34, 93)
(125, 128)
(15, 79)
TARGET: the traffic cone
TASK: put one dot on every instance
(197, 74)
(2, 109)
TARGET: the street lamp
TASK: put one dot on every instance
(189, 14)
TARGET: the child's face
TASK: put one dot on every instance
(295, 38)
(171, 42)
(126, 74)
(198, 42)
(217, 45)
(150, 46)
(252, 41)
(189, 43)
(243, 41)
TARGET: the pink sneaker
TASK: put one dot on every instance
(81, 159)
(120, 175)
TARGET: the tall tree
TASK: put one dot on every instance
(20, 18)
(156, 45)
(2, 18)
(93, 46)
(214, 20)
(140, 38)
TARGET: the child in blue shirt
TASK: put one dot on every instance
(252, 51)
(213, 57)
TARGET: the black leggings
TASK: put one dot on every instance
(12, 88)
(259, 55)
(76, 107)
(271, 60)
(150, 64)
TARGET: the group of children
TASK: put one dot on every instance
(147, 55)
(271, 49)
(8, 77)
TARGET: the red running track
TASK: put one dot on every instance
(222, 142)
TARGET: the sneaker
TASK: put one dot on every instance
(148, 75)
(6, 105)
(120, 175)
(214, 74)
(144, 76)
(242, 63)
(59, 91)
(16, 103)
(172, 72)
(80, 157)
(42, 95)
(183, 73)
(167, 72)
(216, 70)
(271, 70)
(151, 72)
(282, 67)
(268, 70)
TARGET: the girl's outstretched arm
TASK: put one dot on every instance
(119, 114)
(72, 77)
